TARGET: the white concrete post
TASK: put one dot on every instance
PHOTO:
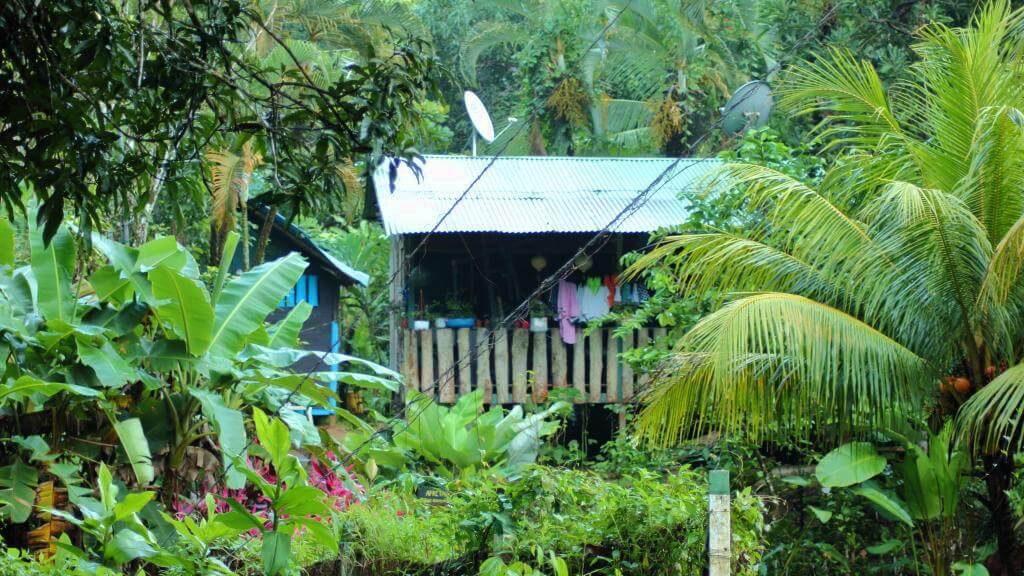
(719, 523)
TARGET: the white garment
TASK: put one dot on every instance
(593, 305)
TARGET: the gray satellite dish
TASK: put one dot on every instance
(478, 115)
(749, 107)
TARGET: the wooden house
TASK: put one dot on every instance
(320, 286)
(481, 255)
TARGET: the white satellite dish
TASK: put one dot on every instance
(478, 115)
(750, 107)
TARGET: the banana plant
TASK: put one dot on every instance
(141, 350)
(464, 438)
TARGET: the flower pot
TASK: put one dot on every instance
(461, 322)
(440, 322)
(421, 324)
(539, 324)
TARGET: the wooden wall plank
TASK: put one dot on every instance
(579, 369)
(540, 366)
(596, 352)
(627, 370)
(501, 366)
(520, 348)
(445, 365)
(483, 364)
(559, 370)
(659, 335)
(427, 362)
(611, 390)
(464, 361)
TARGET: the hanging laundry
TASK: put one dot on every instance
(593, 305)
(611, 282)
(593, 284)
(568, 308)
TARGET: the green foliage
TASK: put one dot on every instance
(551, 521)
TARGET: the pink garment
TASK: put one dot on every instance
(568, 308)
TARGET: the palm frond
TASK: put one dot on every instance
(992, 418)
(848, 91)
(783, 358)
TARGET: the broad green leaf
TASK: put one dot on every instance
(849, 464)
(273, 436)
(319, 531)
(361, 380)
(276, 552)
(796, 481)
(885, 547)
(18, 493)
(184, 304)
(111, 369)
(246, 301)
(133, 440)
(285, 334)
(165, 251)
(303, 432)
(6, 242)
(302, 501)
(965, 569)
(110, 285)
(133, 503)
(128, 545)
(885, 502)
(230, 427)
(53, 267)
(823, 516)
(28, 385)
(121, 257)
(227, 255)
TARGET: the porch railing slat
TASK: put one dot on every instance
(559, 373)
(540, 366)
(464, 360)
(427, 362)
(410, 360)
(520, 346)
(483, 363)
(594, 342)
(445, 363)
(501, 365)
(612, 369)
(579, 370)
(627, 370)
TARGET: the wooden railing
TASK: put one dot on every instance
(512, 366)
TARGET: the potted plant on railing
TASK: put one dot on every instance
(460, 313)
(539, 314)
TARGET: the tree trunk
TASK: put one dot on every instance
(1009, 557)
(261, 242)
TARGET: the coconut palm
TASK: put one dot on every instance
(845, 309)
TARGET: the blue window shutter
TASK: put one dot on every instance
(290, 299)
(313, 291)
(300, 289)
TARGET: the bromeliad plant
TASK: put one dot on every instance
(141, 352)
(848, 304)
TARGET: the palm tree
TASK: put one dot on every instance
(844, 310)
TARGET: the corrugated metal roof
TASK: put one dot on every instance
(534, 194)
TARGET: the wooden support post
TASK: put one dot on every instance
(719, 524)
(427, 362)
(540, 366)
(483, 364)
(464, 361)
(445, 365)
(559, 373)
(611, 390)
(579, 369)
(643, 338)
(596, 360)
(520, 347)
(501, 366)
(396, 262)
